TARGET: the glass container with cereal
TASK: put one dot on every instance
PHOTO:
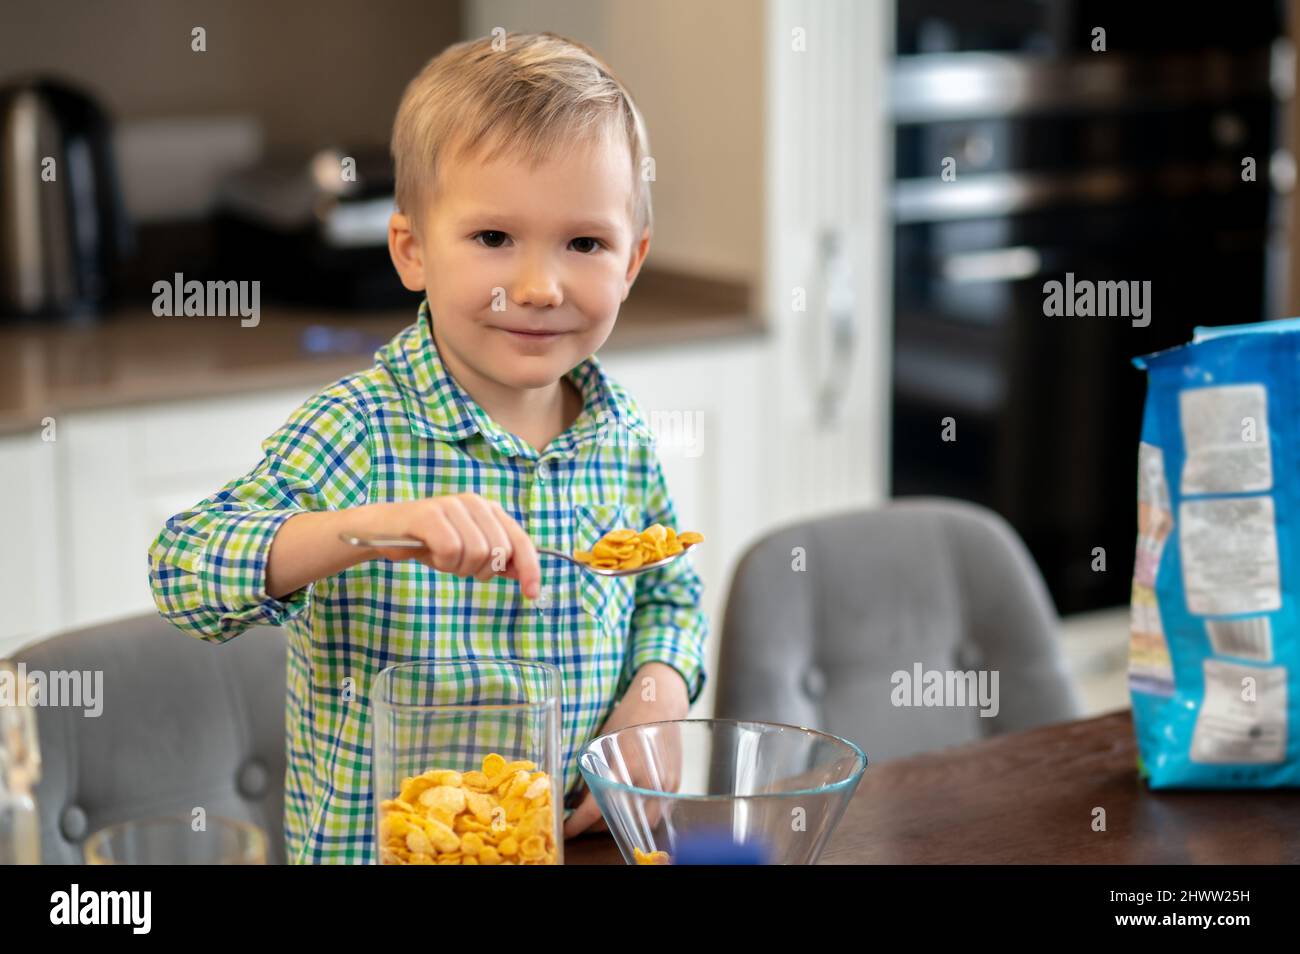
(466, 763)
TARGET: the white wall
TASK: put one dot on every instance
(695, 70)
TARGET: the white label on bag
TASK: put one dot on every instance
(1229, 555)
(1248, 638)
(1225, 437)
(1241, 721)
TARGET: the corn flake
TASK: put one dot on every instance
(625, 549)
(500, 813)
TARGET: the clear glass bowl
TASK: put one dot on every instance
(445, 735)
(173, 841)
(721, 791)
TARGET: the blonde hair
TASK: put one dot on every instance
(537, 94)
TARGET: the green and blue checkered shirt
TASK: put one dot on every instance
(405, 430)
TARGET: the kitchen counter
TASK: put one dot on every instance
(134, 357)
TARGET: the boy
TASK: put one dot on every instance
(483, 429)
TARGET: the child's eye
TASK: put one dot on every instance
(492, 232)
(596, 244)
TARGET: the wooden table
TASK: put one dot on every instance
(1028, 798)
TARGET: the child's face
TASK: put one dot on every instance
(551, 248)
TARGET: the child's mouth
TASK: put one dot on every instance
(533, 336)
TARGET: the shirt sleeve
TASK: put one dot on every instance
(207, 567)
(668, 625)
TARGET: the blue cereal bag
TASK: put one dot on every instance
(1214, 652)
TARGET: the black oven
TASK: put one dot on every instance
(1046, 161)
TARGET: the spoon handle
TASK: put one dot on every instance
(397, 543)
(557, 553)
(407, 543)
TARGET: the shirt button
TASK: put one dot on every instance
(543, 470)
(543, 600)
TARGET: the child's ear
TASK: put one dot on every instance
(634, 264)
(406, 252)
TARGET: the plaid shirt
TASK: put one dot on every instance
(405, 430)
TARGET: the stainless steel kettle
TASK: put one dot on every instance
(63, 222)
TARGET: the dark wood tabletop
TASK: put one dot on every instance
(1029, 798)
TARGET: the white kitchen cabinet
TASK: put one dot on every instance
(30, 574)
(123, 472)
(706, 394)
(826, 288)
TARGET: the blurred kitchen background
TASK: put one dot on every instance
(818, 294)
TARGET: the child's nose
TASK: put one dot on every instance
(537, 285)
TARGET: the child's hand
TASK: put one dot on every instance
(669, 700)
(464, 534)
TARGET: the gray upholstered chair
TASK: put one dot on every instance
(183, 724)
(939, 582)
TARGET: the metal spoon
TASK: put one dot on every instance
(406, 543)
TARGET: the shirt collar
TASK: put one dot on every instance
(439, 408)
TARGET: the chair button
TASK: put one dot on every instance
(814, 682)
(72, 823)
(252, 779)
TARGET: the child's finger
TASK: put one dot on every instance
(583, 816)
(653, 809)
(397, 554)
(474, 546)
(527, 568)
(499, 548)
(441, 541)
